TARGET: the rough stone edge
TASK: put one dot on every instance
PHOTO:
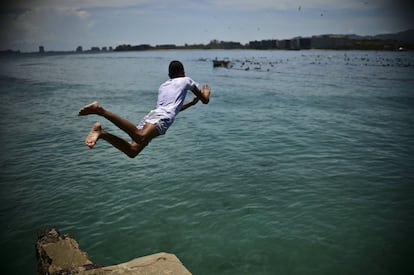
(159, 263)
(45, 262)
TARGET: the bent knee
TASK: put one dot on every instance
(132, 154)
(148, 132)
(141, 137)
(136, 148)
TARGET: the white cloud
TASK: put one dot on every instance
(32, 4)
(64, 24)
(83, 14)
(41, 25)
(292, 4)
(227, 4)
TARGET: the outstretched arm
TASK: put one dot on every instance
(203, 95)
(189, 104)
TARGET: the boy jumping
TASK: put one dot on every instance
(171, 95)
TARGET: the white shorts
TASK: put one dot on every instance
(159, 118)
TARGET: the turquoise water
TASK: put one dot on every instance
(302, 164)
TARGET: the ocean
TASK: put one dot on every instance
(302, 162)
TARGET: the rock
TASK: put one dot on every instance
(160, 263)
(60, 255)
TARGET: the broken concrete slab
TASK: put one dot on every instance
(60, 254)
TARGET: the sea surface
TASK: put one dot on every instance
(302, 163)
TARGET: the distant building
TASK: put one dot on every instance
(263, 44)
(79, 49)
(283, 44)
(305, 43)
(226, 45)
(294, 44)
(166, 46)
(41, 49)
(329, 42)
(142, 47)
(230, 45)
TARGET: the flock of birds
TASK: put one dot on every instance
(266, 65)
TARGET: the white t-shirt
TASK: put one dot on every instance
(171, 94)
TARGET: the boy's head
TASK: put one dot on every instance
(176, 69)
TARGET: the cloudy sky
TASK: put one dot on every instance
(66, 24)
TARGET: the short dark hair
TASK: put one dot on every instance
(175, 68)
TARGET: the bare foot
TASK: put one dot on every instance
(92, 108)
(93, 135)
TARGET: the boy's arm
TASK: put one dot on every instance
(189, 104)
(204, 94)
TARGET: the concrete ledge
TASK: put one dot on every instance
(60, 254)
(160, 263)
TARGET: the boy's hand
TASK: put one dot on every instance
(206, 90)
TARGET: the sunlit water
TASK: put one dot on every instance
(302, 163)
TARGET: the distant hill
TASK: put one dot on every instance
(404, 36)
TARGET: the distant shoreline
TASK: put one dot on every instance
(382, 42)
(51, 53)
(65, 53)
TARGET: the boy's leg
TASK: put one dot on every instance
(131, 149)
(125, 125)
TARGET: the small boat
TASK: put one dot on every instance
(221, 63)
